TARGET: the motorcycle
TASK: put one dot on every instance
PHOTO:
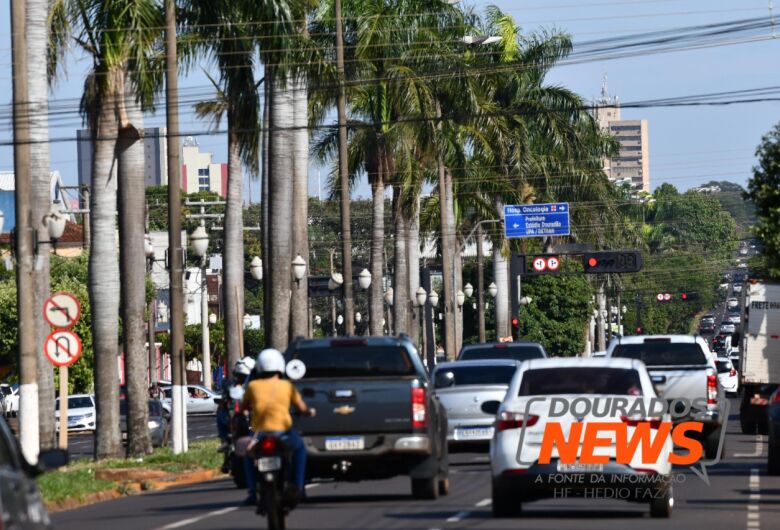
(233, 462)
(276, 495)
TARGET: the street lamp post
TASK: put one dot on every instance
(335, 281)
(420, 296)
(524, 301)
(200, 244)
(389, 301)
(149, 251)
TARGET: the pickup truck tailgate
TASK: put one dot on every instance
(360, 405)
(680, 382)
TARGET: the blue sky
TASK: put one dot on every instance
(688, 146)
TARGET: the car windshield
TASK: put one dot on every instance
(517, 352)
(355, 361)
(77, 402)
(474, 375)
(723, 365)
(662, 353)
(5, 390)
(591, 380)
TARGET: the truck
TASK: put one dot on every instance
(377, 413)
(760, 353)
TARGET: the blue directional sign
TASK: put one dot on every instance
(536, 220)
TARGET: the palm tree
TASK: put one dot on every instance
(123, 62)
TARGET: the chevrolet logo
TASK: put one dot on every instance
(344, 410)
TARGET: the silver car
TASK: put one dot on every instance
(462, 388)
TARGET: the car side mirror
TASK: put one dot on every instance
(444, 379)
(51, 459)
(490, 407)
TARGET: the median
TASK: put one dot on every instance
(88, 482)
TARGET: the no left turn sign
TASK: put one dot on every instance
(62, 348)
(61, 310)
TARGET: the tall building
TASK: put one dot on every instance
(199, 172)
(155, 157)
(632, 165)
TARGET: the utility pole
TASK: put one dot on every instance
(480, 284)
(601, 300)
(28, 359)
(638, 302)
(175, 253)
(346, 231)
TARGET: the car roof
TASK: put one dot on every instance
(502, 344)
(581, 362)
(368, 341)
(640, 339)
(477, 363)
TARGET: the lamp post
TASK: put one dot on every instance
(389, 301)
(335, 281)
(55, 222)
(256, 271)
(524, 301)
(364, 282)
(420, 297)
(153, 373)
(2, 221)
(200, 244)
(468, 290)
(493, 292)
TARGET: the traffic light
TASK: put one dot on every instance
(515, 322)
(639, 330)
(688, 296)
(613, 261)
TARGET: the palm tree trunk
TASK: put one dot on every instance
(458, 288)
(376, 298)
(501, 278)
(413, 259)
(37, 40)
(448, 250)
(280, 229)
(131, 199)
(233, 263)
(299, 322)
(265, 196)
(103, 280)
(481, 283)
(400, 265)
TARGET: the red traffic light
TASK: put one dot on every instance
(684, 296)
(515, 321)
(592, 262)
(639, 330)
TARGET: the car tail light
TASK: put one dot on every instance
(269, 445)
(419, 408)
(655, 423)
(646, 470)
(732, 372)
(712, 389)
(514, 420)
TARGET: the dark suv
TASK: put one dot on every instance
(20, 502)
(516, 351)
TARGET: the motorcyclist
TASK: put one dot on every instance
(268, 399)
(241, 372)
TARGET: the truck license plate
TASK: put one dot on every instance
(346, 443)
(269, 463)
(473, 433)
(580, 468)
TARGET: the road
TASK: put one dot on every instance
(740, 495)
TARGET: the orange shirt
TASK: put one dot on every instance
(269, 402)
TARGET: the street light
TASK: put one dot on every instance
(148, 247)
(358, 317)
(298, 268)
(2, 221)
(468, 290)
(212, 318)
(493, 290)
(335, 281)
(256, 268)
(526, 300)
(340, 320)
(317, 320)
(461, 298)
(433, 298)
(364, 279)
(247, 321)
(421, 295)
(389, 296)
(55, 221)
(200, 244)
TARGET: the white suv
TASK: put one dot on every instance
(519, 468)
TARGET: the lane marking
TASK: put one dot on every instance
(483, 503)
(757, 452)
(458, 517)
(753, 513)
(193, 520)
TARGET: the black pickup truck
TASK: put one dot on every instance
(377, 416)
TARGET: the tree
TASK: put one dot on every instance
(764, 191)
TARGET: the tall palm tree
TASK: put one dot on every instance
(121, 60)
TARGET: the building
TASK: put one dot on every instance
(199, 172)
(8, 196)
(633, 160)
(155, 154)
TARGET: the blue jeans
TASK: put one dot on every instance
(294, 443)
(223, 423)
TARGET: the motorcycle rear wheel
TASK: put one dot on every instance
(274, 509)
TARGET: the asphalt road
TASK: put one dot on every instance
(740, 495)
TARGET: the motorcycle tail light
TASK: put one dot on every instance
(269, 445)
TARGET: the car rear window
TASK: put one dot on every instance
(552, 381)
(477, 375)
(502, 351)
(355, 361)
(723, 365)
(662, 353)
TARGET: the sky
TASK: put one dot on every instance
(688, 146)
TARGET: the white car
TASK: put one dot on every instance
(9, 399)
(727, 327)
(516, 449)
(732, 303)
(200, 400)
(81, 412)
(737, 288)
(728, 377)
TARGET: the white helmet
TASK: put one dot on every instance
(244, 366)
(270, 360)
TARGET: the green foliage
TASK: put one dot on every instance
(764, 191)
(254, 342)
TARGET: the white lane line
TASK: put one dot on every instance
(753, 514)
(458, 517)
(193, 520)
(757, 452)
(483, 503)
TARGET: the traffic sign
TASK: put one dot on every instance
(536, 220)
(62, 348)
(667, 297)
(539, 264)
(62, 310)
(553, 263)
(660, 297)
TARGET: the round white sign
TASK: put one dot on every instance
(296, 369)
(540, 264)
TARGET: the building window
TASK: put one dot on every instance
(203, 172)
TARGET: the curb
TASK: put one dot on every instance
(134, 487)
